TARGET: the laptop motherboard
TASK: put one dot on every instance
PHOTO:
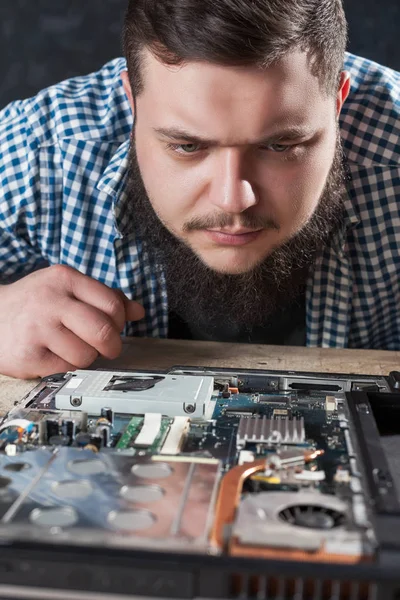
(251, 467)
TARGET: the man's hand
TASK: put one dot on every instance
(57, 319)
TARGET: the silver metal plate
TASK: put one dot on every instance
(138, 503)
(172, 395)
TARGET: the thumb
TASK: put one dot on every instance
(133, 310)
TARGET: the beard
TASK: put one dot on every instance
(209, 300)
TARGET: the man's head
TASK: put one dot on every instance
(235, 33)
(236, 105)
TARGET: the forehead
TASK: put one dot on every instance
(229, 102)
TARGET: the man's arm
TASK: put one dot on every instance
(57, 319)
(20, 211)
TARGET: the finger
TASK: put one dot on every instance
(133, 310)
(69, 347)
(96, 294)
(93, 327)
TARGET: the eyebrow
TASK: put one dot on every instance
(181, 135)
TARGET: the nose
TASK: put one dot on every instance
(229, 190)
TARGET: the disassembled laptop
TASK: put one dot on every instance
(273, 483)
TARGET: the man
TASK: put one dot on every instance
(221, 183)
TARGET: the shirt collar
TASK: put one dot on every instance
(350, 217)
(113, 182)
(339, 240)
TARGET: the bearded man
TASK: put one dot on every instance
(233, 178)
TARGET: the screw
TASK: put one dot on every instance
(189, 408)
(76, 401)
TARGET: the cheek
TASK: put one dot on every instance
(165, 186)
(293, 188)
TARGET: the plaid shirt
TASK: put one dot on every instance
(63, 167)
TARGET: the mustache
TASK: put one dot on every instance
(222, 220)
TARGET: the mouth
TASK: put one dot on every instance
(239, 231)
(237, 237)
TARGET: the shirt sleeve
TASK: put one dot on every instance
(19, 196)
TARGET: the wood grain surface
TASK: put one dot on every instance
(141, 353)
(161, 354)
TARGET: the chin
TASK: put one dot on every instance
(228, 262)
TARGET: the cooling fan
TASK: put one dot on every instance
(316, 524)
(314, 516)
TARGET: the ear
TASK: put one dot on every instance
(128, 89)
(343, 91)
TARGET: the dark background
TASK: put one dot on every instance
(45, 41)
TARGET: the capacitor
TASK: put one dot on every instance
(107, 413)
(42, 427)
(53, 428)
(84, 421)
(68, 428)
(104, 431)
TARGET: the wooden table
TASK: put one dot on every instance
(161, 354)
(139, 353)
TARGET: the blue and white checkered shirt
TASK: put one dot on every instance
(63, 167)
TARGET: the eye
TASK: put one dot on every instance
(279, 147)
(184, 148)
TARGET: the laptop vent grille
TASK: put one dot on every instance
(276, 588)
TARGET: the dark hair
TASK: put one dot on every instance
(236, 33)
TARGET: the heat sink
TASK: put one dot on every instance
(260, 430)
